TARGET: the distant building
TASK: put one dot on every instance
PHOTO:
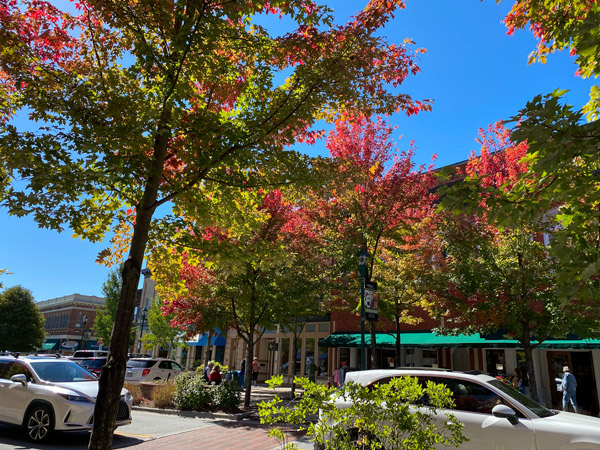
(70, 322)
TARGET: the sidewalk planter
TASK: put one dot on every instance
(193, 394)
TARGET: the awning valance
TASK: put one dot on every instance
(201, 339)
(433, 340)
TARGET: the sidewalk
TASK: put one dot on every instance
(225, 435)
(241, 430)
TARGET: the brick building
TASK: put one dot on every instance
(70, 322)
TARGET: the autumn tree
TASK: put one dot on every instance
(404, 274)
(21, 322)
(254, 267)
(376, 197)
(563, 154)
(502, 278)
(133, 104)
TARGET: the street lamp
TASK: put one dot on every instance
(144, 312)
(84, 319)
(362, 269)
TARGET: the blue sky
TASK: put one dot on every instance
(473, 71)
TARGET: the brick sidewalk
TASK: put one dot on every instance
(221, 436)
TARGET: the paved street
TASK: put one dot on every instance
(151, 430)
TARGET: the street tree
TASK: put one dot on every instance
(375, 197)
(497, 278)
(255, 267)
(105, 317)
(562, 147)
(21, 322)
(134, 104)
(162, 332)
(404, 274)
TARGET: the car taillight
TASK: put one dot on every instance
(145, 372)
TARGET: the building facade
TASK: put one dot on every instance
(70, 322)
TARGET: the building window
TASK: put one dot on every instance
(310, 327)
(324, 327)
(430, 358)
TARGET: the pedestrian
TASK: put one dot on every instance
(569, 389)
(207, 370)
(242, 373)
(255, 370)
(517, 381)
(215, 375)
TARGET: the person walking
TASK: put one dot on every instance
(569, 389)
(255, 370)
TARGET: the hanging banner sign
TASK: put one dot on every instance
(371, 309)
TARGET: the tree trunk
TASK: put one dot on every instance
(528, 349)
(248, 374)
(293, 362)
(398, 357)
(373, 362)
(113, 373)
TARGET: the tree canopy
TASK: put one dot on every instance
(21, 322)
(135, 104)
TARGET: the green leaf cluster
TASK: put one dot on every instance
(388, 415)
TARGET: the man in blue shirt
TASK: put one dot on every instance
(569, 389)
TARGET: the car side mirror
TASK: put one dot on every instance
(505, 412)
(19, 378)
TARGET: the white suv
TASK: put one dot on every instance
(151, 369)
(495, 415)
(80, 355)
(45, 394)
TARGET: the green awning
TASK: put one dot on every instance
(433, 340)
(49, 345)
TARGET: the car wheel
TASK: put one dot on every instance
(39, 423)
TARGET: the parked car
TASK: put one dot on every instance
(94, 365)
(151, 369)
(494, 414)
(43, 394)
(80, 355)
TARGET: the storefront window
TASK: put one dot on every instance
(430, 358)
(310, 367)
(323, 362)
(495, 362)
(410, 357)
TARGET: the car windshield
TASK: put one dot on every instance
(140, 364)
(535, 407)
(93, 363)
(61, 372)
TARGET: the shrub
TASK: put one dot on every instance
(164, 395)
(374, 417)
(136, 392)
(226, 396)
(190, 392)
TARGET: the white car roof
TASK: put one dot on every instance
(366, 377)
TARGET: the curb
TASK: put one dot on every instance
(198, 414)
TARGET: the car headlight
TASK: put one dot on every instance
(127, 396)
(76, 398)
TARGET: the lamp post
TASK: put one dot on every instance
(144, 312)
(362, 269)
(84, 319)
